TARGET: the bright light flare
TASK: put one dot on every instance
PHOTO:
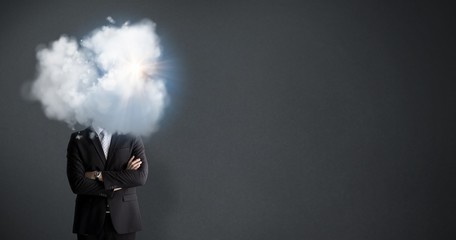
(137, 69)
(140, 69)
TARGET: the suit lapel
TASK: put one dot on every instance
(97, 145)
(112, 146)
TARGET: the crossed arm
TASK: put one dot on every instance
(82, 182)
(133, 164)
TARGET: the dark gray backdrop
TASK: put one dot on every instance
(288, 120)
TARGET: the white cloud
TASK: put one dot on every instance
(110, 79)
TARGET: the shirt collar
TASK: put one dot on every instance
(98, 130)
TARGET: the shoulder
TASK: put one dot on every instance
(82, 134)
(129, 140)
(127, 137)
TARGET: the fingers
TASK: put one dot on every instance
(134, 164)
(138, 160)
(131, 159)
(130, 162)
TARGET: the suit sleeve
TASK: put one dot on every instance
(129, 178)
(75, 172)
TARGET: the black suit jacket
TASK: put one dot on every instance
(85, 154)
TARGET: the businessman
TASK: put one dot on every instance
(104, 170)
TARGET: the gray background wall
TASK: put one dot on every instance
(288, 120)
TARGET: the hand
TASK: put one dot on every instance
(134, 164)
(90, 175)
